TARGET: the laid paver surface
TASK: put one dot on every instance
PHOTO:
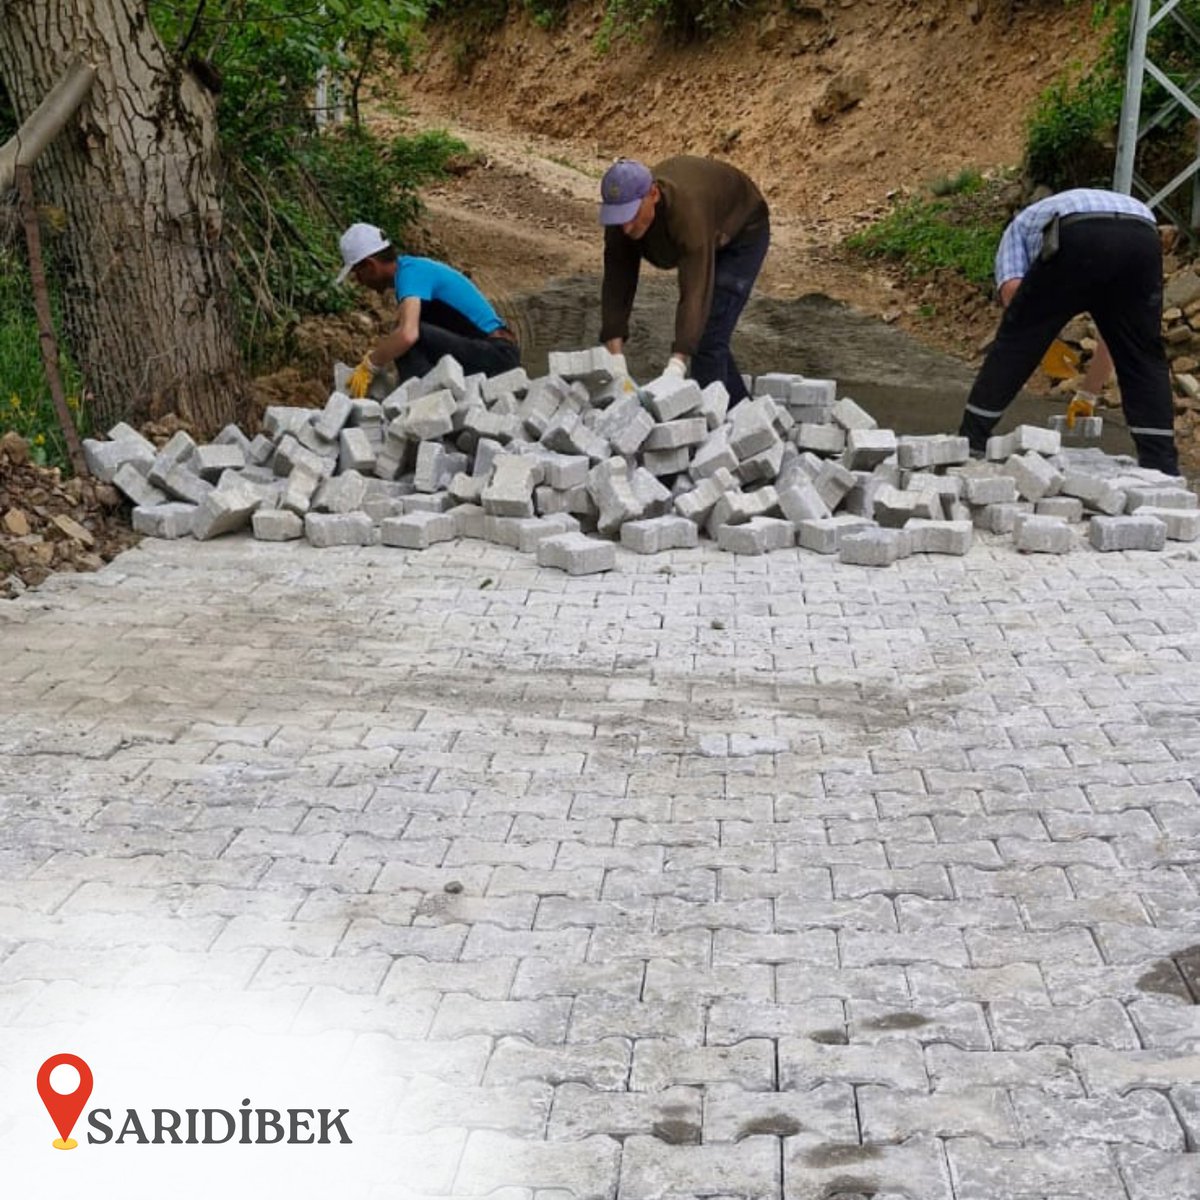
(710, 876)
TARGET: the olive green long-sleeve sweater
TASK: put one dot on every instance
(704, 205)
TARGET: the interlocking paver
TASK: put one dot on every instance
(890, 1115)
(750, 1168)
(1070, 1171)
(748, 877)
(1143, 1118)
(673, 1115)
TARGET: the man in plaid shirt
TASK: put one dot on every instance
(1083, 250)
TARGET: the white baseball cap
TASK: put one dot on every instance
(358, 242)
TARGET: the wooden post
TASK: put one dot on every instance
(41, 304)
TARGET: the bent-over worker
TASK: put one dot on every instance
(707, 220)
(441, 312)
(1084, 250)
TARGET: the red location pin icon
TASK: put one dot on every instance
(64, 1109)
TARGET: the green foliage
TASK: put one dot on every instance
(687, 20)
(475, 21)
(1071, 137)
(963, 183)
(263, 55)
(25, 404)
(486, 16)
(548, 14)
(1069, 142)
(958, 233)
(290, 188)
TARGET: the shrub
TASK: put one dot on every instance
(1069, 143)
(1071, 136)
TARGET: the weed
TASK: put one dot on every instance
(964, 182)
(957, 231)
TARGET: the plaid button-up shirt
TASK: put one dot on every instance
(1022, 240)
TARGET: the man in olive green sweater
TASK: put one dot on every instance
(707, 220)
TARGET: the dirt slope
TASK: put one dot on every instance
(927, 88)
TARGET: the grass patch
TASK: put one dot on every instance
(956, 227)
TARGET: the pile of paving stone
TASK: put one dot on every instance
(571, 463)
(1181, 337)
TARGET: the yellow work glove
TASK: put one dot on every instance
(360, 378)
(1083, 404)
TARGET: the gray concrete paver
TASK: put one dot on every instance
(719, 876)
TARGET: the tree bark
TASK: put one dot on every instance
(145, 271)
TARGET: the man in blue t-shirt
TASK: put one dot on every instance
(441, 312)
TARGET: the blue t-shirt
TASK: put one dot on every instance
(448, 298)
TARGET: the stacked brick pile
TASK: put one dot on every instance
(1181, 336)
(569, 464)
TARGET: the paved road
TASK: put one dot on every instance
(708, 877)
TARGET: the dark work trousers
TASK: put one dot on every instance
(737, 268)
(476, 355)
(1112, 268)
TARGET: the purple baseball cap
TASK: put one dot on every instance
(624, 186)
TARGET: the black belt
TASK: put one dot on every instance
(1071, 218)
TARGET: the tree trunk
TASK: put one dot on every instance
(145, 273)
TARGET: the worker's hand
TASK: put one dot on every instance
(1083, 404)
(676, 368)
(620, 374)
(359, 382)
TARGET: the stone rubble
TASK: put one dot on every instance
(566, 465)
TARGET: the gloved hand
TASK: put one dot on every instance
(359, 382)
(676, 368)
(621, 376)
(1083, 404)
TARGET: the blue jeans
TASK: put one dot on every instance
(737, 268)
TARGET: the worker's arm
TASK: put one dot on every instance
(1099, 370)
(402, 339)
(697, 271)
(622, 265)
(403, 336)
(1008, 289)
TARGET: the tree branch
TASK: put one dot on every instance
(42, 125)
(192, 31)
